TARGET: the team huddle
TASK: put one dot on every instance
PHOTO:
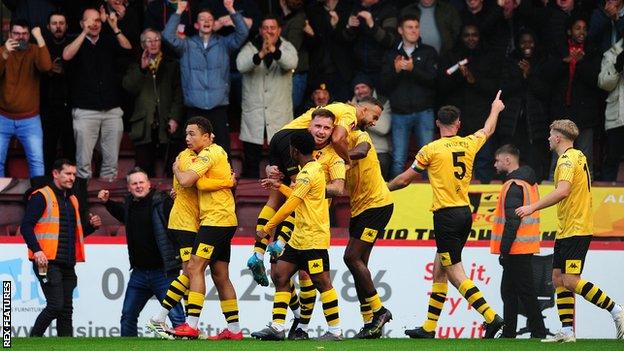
(327, 152)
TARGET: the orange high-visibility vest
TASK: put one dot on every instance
(528, 236)
(48, 226)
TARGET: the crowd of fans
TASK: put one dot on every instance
(75, 75)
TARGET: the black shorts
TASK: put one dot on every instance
(311, 261)
(185, 240)
(569, 254)
(370, 224)
(279, 154)
(452, 227)
(214, 243)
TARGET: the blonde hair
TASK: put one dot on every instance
(566, 127)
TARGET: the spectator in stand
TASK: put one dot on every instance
(439, 23)
(576, 94)
(525, 121)
(371, 27)
(296, 30)
(266, 63)
(409, 77)
(500, 29)
(606, 24)
(380, 132)
(320, 97)
(21, 64)
(611, 80)
(158, 12)
(158, 108)
(331, 57)
(34, 12)
(95, 93)
(469, 87)
(205, 66)
(54, 234)
(152, 254)
(551, 23)
(129, 19)
(479, 13)
(56, 118)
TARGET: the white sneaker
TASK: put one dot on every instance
(159, 328)
(619, 325)
(561, 336)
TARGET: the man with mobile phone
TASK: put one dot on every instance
(20, 65)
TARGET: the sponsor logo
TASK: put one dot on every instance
(573, 267)
(315, 266)
(205, 251)
(368, 235)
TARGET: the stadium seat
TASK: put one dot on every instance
(12, 212)
(126, 148)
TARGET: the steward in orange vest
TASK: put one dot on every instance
(516, 240)
(54, 234)
(518, 236)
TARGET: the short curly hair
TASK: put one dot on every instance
(565, 127)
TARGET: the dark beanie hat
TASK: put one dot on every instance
(362, 78)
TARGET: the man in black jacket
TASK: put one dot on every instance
(516, 241)
(151, 252)
(409, 80)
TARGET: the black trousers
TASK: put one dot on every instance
(517, 286)
(251, 162)
(59, 305)
(219, 119)
(56, 122)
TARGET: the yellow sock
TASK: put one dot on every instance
(367, 312)
(565, 306)
(475, 298)
(330, 307)
(230, 310)
(307, 298)
(263, 218)
(280, 306)
(436, 304)
(196, 303)
(594, 294)
(176, 291)
(374, 302)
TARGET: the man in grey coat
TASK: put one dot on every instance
(267, 63)
(610, 79)
(205, 66)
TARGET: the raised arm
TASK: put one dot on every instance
(490, 123)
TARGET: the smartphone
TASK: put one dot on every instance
(22, 45)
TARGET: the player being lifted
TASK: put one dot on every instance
(308, 246)
(449, 162)
(347, 119)
(321, 127)
(371, 209)
(572, 195)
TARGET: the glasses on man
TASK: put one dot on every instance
(149, 41)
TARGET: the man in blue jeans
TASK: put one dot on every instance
(152, 255)
(20, 66)
(408, 78)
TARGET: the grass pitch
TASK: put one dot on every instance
(151, 344)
